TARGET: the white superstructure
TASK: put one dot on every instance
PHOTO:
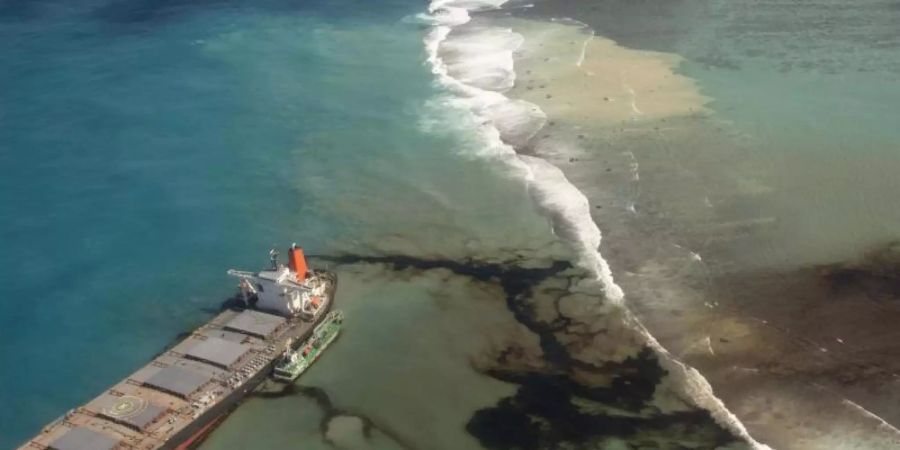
(291, 290)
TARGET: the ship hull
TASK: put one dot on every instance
(194, 434)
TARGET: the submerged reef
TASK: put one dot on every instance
(876, 274)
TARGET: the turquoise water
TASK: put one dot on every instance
(146, 147)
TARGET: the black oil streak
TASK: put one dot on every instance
(517, 284)
(541, 414)
(329, 412)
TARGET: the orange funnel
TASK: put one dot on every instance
(297, 262)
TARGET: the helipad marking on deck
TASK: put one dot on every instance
(126, 406)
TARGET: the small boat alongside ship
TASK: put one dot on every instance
(177, 399)
(295, 362)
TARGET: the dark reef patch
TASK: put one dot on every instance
(876, 274)
(833, 323)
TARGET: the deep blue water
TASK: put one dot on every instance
(148, 146)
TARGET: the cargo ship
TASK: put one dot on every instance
(180, 396)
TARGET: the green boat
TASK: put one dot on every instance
(295, 362)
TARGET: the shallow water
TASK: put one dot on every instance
(147, 148)
(734, 229)
(404, 362)
(172, 141)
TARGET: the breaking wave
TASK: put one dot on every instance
(476, 66)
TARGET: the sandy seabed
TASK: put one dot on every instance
(797, 351)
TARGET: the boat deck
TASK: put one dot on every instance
(159, 400)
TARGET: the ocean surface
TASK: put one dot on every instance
(458, 164)
(147, 147)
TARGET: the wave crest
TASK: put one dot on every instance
(476, 65)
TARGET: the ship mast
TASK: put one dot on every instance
(273, 257)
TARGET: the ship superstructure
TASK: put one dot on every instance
(182, 394)
(289, 290)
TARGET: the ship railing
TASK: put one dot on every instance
(241, 273)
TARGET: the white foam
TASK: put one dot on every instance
(584, 50)
(516, 120)
(443, 16)
(633, 95)
(633, 166)
(570, 216)
(881, 422)
(478, 68)
(482, 58)
(470, 5)
(695, 386)
(571, 21)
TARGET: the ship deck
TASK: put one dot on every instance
(155, 403)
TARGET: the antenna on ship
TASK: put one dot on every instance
(273, 256)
